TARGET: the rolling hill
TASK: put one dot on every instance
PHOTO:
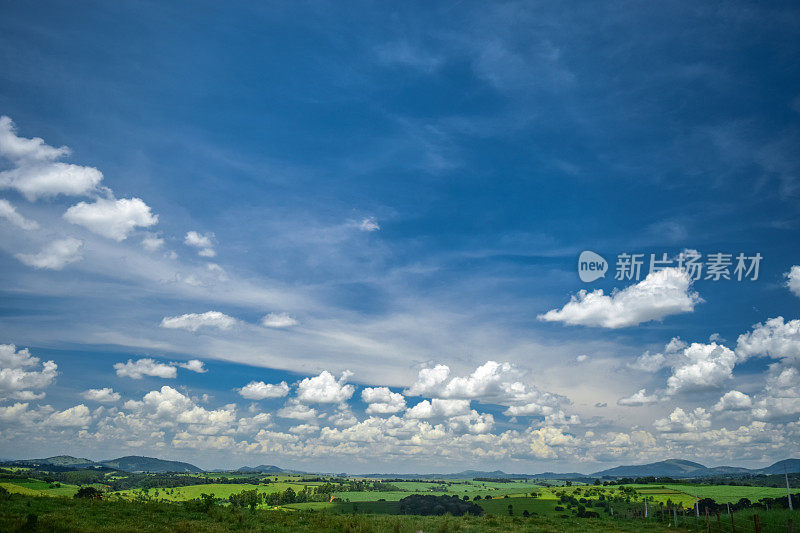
(137, 463)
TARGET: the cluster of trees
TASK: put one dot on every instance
(638, 480)
(427, 504)
(744, 503)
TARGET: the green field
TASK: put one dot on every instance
(685, 493)
(70, 515)
(220, 490)
(35, 487)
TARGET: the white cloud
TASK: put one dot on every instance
(36, 173)
(296, 410)
(793, 280)
(104, 395)
(428, 381)
(145, 367)
(168, 406)
(111, 218)
(195, 365)
(582, 358)
(680, 421)
(648, 362)
(9, 212)
(324, 388)
(278, 320)
(152, 243)
(14, 413)
(203, 241)
(258, 390)
(195, 321)
(77, 416)
(369, 224)
(382, 400)
(702, 366)
(638, 399)
(438, 408)
(55, 255)
(493, 382)
(775, 339)
(660, 294)
(474, 422)
(734, 401)
(18, 373)
(781, 395)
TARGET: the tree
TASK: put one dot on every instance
(89, 492)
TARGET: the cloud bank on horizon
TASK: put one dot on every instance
(371, 256)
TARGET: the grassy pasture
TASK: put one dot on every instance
(684, 493)
(220, 490)
(35, 487)
(69, 515)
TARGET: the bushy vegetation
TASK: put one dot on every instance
(426, 505)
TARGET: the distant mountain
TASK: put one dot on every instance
(555, 475)
(263, 469)
(669, 468)
(679, 468)
(792, 466)
(67, 460)
(471, 474)
(136, 463)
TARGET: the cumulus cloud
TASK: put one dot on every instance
(428, 381)
(494, 382)
(733, 401)
(793, 280)
(369, 224)
(680, 421)
(195, 365)
(324, 388)
(36, 173)
(14, 413)
(296, 410)
(382, 400)
(258, 390)
(774, 338)
(169, 406)
(638, 399)
(278, 320)
(474, 423)
(20, 373)
(111, 218)
(438, 408)
(195, 321)
(78, 416)
(203, 241)
(145, 367)
(55, 255)
(9, 212)
(781, 395)
(648, 362)
(490, 379)
(660, 294)
(702, 366)
(104, 395)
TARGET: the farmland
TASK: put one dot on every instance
(209, 501)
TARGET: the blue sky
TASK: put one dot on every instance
(397, 188)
